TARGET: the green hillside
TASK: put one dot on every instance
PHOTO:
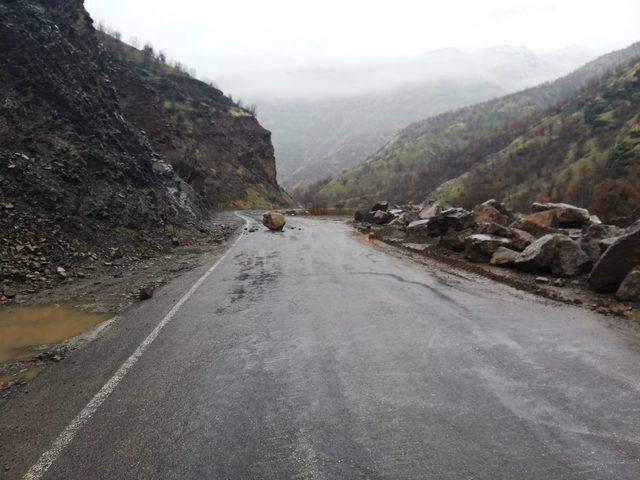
(586, 151)
(428, 153)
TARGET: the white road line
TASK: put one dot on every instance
(37, 471)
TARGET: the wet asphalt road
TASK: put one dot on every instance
(309, 354)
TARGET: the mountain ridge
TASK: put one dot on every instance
(400, 169)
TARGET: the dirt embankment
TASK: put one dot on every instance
(61, 306)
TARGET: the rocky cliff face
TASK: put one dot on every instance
(68, 155)
(216, 146)
(78, 174)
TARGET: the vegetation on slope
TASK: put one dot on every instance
(585, 151)
(428, 153)
(213, 143)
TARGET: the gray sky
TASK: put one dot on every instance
(220, 38)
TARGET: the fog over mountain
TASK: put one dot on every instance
(295, 57)
(329, 118)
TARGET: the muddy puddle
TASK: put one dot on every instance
(24, 332)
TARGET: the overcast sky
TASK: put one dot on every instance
(220, 38)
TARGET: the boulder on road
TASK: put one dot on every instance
(629, 289)
(499, 207)
(519, 238)
(273, 221)
(390, 233)
(568, 215)
(381, 217)
(404, 219)
(593, 236)
(456, 240)
(455, 219)
(431, 210)
(488, 214)
(419, 230)
(617, 261)
(554, 253)
(504, 257)
(538, 224)
(145, 293)
(480, 247)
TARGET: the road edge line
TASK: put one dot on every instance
(47, 459)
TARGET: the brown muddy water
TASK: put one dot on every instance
(28, 330)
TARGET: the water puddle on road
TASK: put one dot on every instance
(23, 330)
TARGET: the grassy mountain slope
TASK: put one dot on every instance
(424, 155)
(216, 146)
(327, 120)
(586, 151)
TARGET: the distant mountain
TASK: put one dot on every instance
(420, 158)
(320, 138)
(328, 119)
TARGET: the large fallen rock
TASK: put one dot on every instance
(488, 214)
(567, 215)
(519, 238)
(593, 236)
(629, 289)
(456, 240)
(449, 220)
(273, 221)
(617, 261)
(554, 253)
(362, 216)
(499, 207)
(504, 257)
(404, 219)
(480, 247)
(538, 224)
(381, 217)
(420, 230)
(390, 233)
(456, 219)
(430, 211)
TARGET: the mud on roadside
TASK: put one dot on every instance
(105, 290)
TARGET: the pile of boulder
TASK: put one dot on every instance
(554, 239)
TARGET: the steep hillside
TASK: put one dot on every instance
(424, 155)
(216, 146)
(79, 177)
(326, 120)
(585, 151)
(70, 162)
